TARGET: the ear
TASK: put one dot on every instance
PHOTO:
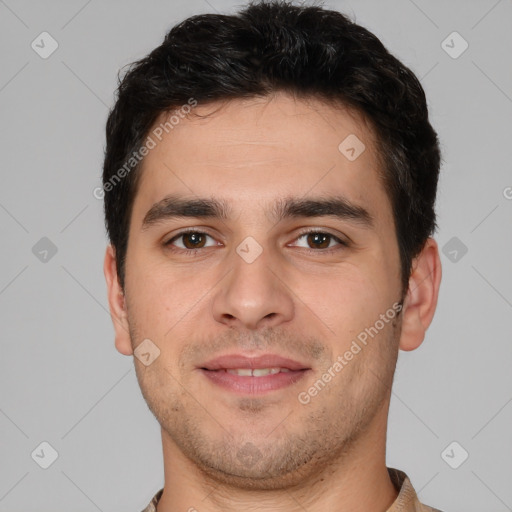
(421, 299)
(117, 304)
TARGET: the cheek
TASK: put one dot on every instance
(163, 296)
(347, 299)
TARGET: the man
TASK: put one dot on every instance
(270, 181)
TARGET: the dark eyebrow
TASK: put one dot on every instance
(174, 206)
(334, 206)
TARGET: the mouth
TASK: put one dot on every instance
(253, 375)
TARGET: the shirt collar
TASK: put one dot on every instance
(407, 499)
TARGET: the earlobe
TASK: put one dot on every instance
(421, 299)
(117, 304)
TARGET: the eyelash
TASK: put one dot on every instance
(193, 252)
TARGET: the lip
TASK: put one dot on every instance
(215, 372)
(253, 385)
(233, 361)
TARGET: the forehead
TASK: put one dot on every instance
(259, 149)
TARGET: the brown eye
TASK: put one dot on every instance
(189, 240)
(319, 240)
(193, 240)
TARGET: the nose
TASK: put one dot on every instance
(253, 295)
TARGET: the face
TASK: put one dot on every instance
(290, 263)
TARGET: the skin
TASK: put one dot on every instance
(226, 452)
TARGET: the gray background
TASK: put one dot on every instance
(61, 379)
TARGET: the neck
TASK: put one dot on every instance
(357, 481)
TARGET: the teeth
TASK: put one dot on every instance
(256, 372)
(264, 371)
(243, 372)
